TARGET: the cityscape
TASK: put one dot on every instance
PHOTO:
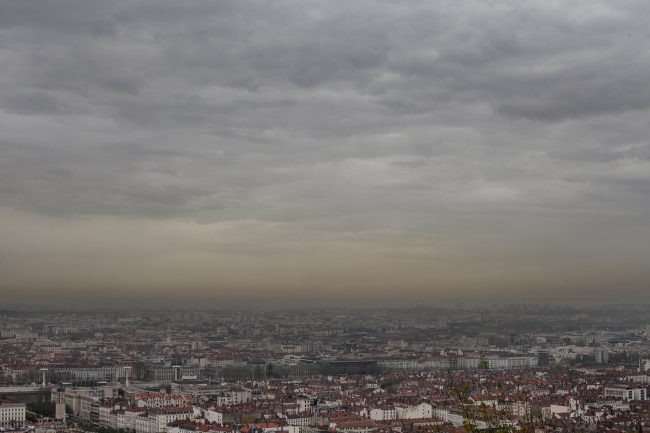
(324, 216)
(518, 367)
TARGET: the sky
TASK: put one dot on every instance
(324, 151)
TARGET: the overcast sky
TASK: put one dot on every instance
(356, 150)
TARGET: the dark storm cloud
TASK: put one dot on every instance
(436, 129)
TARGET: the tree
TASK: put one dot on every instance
(493, 420)
(42, 408)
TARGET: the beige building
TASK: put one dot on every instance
(12, 414)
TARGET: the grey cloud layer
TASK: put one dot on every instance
(464, 126)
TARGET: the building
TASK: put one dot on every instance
(627, 393)
(153, 400)
(300, 420)
(174, 373)
(126, 418)
(58, 398)
(382, 414)
(107, 416)
(213, 416)
(12, 414)
(109, 374)
(420, 411)
(233, 396)
(156, 420)
(601, 356)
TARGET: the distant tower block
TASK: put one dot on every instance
(128, 376)
(44, 382)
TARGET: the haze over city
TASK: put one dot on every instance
(320, 152)
(320, 216)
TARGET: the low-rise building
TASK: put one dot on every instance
(12, 414)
